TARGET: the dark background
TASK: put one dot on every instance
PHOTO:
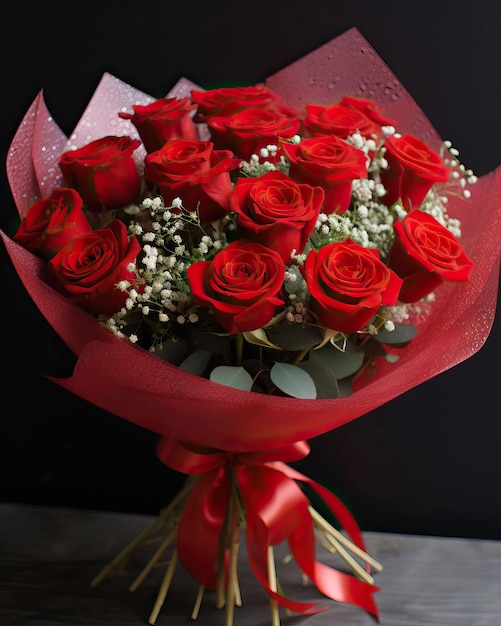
(427, 462)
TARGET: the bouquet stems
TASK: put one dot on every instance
(162, 532)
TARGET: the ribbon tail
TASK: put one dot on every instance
(332, 583)
(336, 506)
(257, 550)
(277, 509)
(272, 503)
(200, 526)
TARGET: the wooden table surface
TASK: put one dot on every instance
(48, 556)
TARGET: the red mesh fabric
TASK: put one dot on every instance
(137, 386)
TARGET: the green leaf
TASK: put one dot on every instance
(215, 344)
(401, 336)
(325, 381)
(196, 362)
(345, 388)
(290, 336)
(293, 381)
(342, 363)
(232, 376)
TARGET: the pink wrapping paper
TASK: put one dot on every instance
(137, 386)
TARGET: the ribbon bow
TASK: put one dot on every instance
(276, 509)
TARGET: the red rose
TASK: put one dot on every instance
(247, 131)
(52, 222)
(241, 285)
(348, 284)
(276, 211)
(425, 254)
(344, 118)
(329, 162)
(413, 169)
(195, 172)
(226, 101)
(104, 173)
(88, 268)
(371, 109)
(163, 120)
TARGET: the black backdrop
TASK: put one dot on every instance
(427, 462)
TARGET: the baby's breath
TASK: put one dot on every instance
(160, 296)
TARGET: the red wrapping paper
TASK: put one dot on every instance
(137, 386)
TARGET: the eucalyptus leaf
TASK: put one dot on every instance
(345, 388)
(325, 381)
(293, 381)
(196, 362)
(232, 376)
(342, 363)
(401, 336)
(290, 336)
(216, 344)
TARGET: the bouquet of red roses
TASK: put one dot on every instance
(241, 269)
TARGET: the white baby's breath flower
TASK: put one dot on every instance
(136, 229)
(387, 131)
(123, 285)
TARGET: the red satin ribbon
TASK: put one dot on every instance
(276, 510)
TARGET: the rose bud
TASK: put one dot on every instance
(104, 173)
(413, 169)
(163, 120)
(52, 222)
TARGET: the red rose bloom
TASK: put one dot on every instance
(425, 254)
(104, 173)
(88, 268)
(241, 285)
(343, 119)
(413, 169)
(226, 101)
(371, 109)
(52, 222)
(163, 120)
(348, 284)
(329, 162)
(247, 131)
(195, 172)
(276, 211)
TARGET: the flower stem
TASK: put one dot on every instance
(301, 356)
(239, 348)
